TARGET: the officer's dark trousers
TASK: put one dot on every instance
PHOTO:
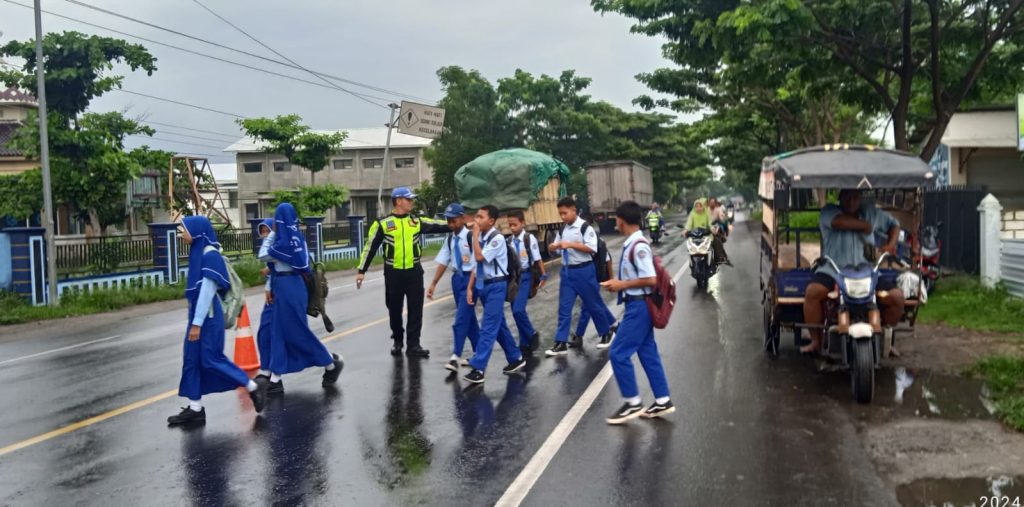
(401, 285)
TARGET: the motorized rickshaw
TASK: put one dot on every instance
(793, 188)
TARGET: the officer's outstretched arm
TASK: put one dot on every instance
(433, 225)
(373, 242)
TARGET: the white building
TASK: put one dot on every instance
(359, 167)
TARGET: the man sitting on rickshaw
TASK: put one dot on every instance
(844, 230)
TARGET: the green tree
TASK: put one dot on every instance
(914, 61)
(474, 125)
(297, 142)
(312, 200)
(21, 194)
(89, 164)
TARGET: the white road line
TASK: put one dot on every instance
(69, 347)
(521, 486)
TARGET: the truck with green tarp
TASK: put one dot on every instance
(516, 178)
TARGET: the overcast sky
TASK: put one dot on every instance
(396, 45)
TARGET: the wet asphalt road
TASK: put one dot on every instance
(749, 430)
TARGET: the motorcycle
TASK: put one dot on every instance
(702, 255)
(655, 232)
(854, 323)
(931, 247)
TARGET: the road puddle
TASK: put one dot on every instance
(920, 393)
(997, 491)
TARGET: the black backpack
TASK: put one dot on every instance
(600, 257)
(534, 267)
(512, 269)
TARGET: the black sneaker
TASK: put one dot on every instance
(419, 352)
(259, 396)
(614, 328)
(187, 416)
(526, 350)
(658, 410)
(606, 340)
(514, 367)
(452, 365)
(396, 350)
(474, 377)
(625, 413)
(275, 388)
(331, 376)
(560, 349)
(534, 342)
(575, 342)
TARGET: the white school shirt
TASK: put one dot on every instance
(446, 257)
(643, 257)
(495, 255)
(524, 256)
(574, 234)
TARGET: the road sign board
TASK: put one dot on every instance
(421, 120)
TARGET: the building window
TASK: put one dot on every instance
(252, 167)
(232, 199)
(405, 163)
(342, 163)
(282, 167)
(373, 163)
(342, 212)
(252, 210)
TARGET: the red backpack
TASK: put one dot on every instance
(663, 295)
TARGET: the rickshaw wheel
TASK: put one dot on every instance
(862, 372)
(771, 329)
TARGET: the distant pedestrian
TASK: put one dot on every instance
(577, 243)
(636, 333)
(205, 368)
(293, 346)
(490, 282)
(457, 253)
(399, 235)
(267, 317)
(527, 250)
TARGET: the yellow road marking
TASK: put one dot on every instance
(64, 430)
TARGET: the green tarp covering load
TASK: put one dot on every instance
(507, 178)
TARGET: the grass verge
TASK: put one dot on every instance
(14, 309)
(1004, 376)
(961, 301)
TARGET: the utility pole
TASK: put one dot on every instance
(44, 158)
(387, 159)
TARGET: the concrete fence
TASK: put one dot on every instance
(1002, 246)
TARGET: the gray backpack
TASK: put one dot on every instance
(234, 299)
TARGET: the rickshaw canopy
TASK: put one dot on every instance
(843, 166)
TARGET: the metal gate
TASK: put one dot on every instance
(956, 207)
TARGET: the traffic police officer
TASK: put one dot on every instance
(399, 233)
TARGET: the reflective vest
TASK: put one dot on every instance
(400, 238)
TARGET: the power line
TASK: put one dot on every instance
(186, 143)
(182, 127)
(240, 51)
(278, 53)
(186, 104)
(329, 85)
(199, 138)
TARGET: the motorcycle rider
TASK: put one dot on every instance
(844, 230)
(700, 218)
(654, 218)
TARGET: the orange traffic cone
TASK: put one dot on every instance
(245, 345)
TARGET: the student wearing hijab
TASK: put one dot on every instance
(267, 317)
(293, 346)
(205, 368)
